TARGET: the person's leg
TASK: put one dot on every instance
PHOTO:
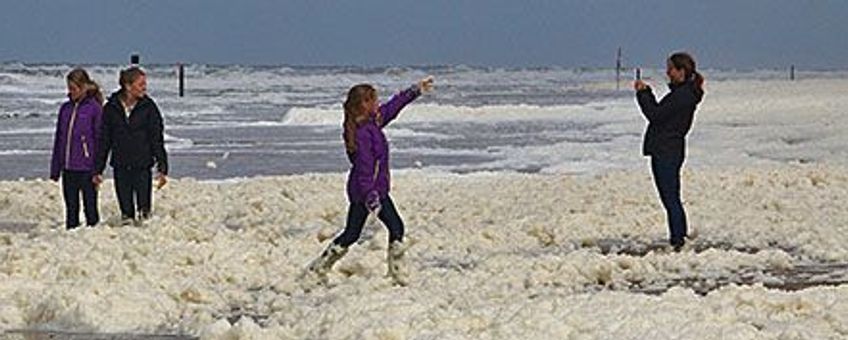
(124, 191)
(89, 199)
(70, 191)
(143, 190)
(396, 249)
(666, 172)
(357, 213)
(389, 216)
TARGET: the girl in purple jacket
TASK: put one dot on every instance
(75, 146)
(368, 181)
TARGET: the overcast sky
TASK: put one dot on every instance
(520, 33)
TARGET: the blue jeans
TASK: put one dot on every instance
(666, 171)
(358, 213)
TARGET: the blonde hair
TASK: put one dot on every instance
(79, 77)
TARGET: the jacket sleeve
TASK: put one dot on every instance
(56, 159)
(104, 141)
(390, 109)
(364, 166)
(157, 141)
(660, 112)
(97, 128)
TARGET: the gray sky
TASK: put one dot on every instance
(721, 33)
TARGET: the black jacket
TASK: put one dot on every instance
(136, 142)
(669, 120)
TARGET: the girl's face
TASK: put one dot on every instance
(75, 92)
(371, 104)
(138, 88)
(675, 75)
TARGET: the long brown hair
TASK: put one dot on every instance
(682, 60)
(80, 78)
(354, 114)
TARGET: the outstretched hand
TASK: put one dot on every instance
(639, 85)
(426, 84)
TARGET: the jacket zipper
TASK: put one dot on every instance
(70, 133)
(376, 171)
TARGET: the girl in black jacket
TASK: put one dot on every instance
(665, 139)
(133, 135)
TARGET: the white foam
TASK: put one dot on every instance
(497, 255)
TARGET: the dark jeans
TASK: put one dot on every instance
(666, 170)
(74, 182)
(133, 188)
(358, 213)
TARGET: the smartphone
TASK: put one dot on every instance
(638, 73)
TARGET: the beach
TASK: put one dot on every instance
(527, 219)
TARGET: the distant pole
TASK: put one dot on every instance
(181, 72)
(618, 69)
(134, 59)
(792, 72)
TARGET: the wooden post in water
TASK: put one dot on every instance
(181, 74)
(618, 69)
(792, 72)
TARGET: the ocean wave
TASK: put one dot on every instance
(178, 143)
(28, 131)
(23, 152)
(437, 112)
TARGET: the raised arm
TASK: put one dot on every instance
(657, 112)
(390, 109)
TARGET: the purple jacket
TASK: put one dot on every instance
(77, 132)
(370, 162)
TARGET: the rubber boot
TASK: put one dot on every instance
(323, 264)
(397, 264)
